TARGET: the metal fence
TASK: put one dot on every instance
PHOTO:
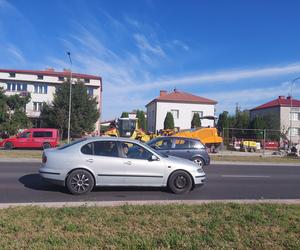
(253, 139)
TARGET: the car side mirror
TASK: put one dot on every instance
(153, 158)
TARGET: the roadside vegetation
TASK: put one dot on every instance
(210, 226)
(240, 158)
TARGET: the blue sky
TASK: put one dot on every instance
(244, 52)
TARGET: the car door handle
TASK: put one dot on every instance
(188, 151)
(89, 160)
(168, 151)
(128, 163)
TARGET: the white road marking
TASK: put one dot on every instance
(245, 176)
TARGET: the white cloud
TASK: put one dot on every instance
(146, 47)
(218, 77)
(249, 98)
(181, 45)
(16, 53)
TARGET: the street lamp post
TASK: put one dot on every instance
(291, 107)
(70, 97)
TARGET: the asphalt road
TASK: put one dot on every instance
(20, 182)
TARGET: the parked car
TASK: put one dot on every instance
(187, 148)
(108, 161)
(33, 138)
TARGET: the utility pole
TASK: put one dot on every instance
(70, 97)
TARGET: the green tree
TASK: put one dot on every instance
(258, 123)
(196, 122)
(140, 115)
(124, 115)
(84, 112)
(169, 121)
(12, 112)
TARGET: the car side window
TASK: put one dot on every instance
(25, 135)
(181, 144)
(87, 149)
(164, 143)
(196, 145)
(134, 151)
(106, 148)
(38, 134)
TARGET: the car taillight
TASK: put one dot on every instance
(44, 158)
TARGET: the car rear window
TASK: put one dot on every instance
(38, 134)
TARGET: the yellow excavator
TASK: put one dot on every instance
(128, 127)
(207, 135)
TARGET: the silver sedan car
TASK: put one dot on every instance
(108, 161)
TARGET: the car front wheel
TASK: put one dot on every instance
(46, 145)
(8, 146)
(180, 182)
(80, 182)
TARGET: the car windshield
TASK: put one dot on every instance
(71, 144)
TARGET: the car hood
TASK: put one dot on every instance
(181, 161)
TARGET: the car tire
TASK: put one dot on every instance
(199, 161)
(46, 145)
(8, 146)
(180, 182)
(80, 182)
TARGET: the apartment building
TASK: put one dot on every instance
(286, 113)
(41, 84)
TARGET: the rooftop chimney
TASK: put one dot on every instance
(281, 97)
(162, 93)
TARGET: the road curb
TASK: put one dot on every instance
(20, 160)
(254, 163)
(141, 202)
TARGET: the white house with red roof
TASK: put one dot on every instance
(182, 105)
(286, 112)
(41, 84)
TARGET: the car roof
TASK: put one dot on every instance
(177, 137)
(111, 138)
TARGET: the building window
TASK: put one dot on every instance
(40, 77)
(61, 78)
(37, 106)
(197, 112)
(175, 113)
(12, 74)
(90, 91)
(86, 80)
(40, 89)
(295, 116)
(16, 87)
(294, 131)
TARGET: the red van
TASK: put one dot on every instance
(33, 138)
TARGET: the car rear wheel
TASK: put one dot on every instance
(46, 145)
(199, 161)
(180, 182)
(8, 146)
(80, 182)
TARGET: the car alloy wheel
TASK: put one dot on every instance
(80, 182)
(199, 161)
